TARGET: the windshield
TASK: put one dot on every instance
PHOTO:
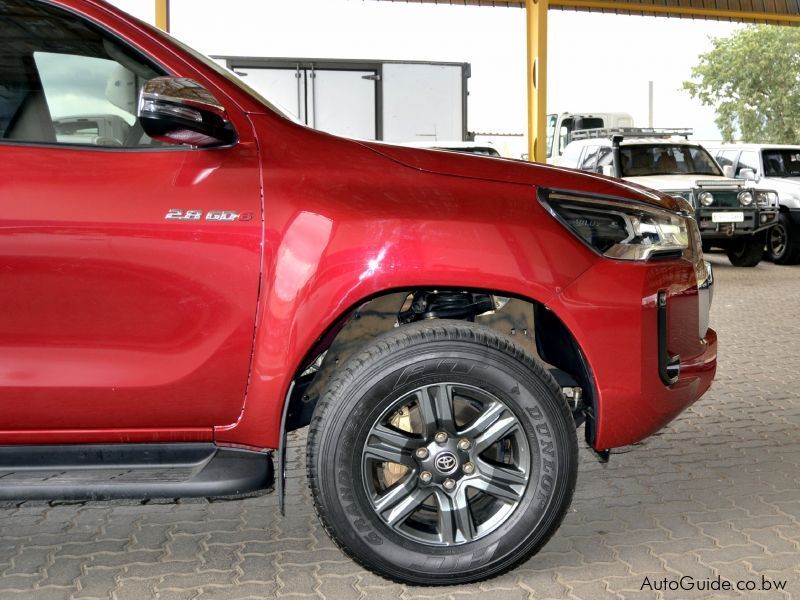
(666, 159)
(781, 163)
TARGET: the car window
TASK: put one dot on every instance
(571, 156)
(781, 163)
(747, 160)
(726, 158)
(589, 158)
(666, 159)
(62, 81)
(605, 157)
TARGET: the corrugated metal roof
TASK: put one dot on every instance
(784, 12)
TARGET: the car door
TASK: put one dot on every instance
(112, 315)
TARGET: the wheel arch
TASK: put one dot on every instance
(529, 321)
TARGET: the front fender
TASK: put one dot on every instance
(343, 223)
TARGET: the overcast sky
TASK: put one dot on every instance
(597, 62)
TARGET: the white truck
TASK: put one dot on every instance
(731, 214)
(393, 101)
(777, 167)
(561, 126)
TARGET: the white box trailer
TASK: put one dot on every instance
(395, 101)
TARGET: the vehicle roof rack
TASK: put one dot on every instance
(632, 132)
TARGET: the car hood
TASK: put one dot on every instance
(673, 183)
(789, 184)
(520, 172)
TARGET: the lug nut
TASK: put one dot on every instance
(440, 437)
(425, 476)
(468, 468)
(449, 484)
(464, 444)
(422, 453)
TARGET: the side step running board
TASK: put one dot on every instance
(106, 471)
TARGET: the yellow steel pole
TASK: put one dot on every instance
(162, 15)
(536, 16)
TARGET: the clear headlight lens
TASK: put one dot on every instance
(621, 230)
(706, 198)
(765, 199)
(745, 198)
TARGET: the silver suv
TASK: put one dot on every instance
(776, 167)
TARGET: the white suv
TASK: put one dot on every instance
(732, 214)
(776, 167)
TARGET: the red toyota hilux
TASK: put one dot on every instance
(186, 275)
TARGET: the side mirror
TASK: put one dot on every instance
(728, 171)
(747, 174)
(178, 110)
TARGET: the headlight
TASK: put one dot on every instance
(745, 198)
(625, 231)
(706, 198)
(765, 199)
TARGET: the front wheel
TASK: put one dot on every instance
(745, 251)
(783, 242)
(442, 454)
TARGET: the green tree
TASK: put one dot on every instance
(752, 79)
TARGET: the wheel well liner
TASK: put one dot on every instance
(543, 334)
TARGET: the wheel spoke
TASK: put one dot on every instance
(495, 432)
(503, 474)
(442, 398)
(490, 414)
(505, 483)
(436, 409)
(389, 445)
(455, 519)
(406, 505)
(396, 494)
(499, 488)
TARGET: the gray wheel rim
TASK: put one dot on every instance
(777, 240)
(438, 477)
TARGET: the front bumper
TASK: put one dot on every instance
(755, 221)
(619, 337)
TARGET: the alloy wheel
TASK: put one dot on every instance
(777, 240)
(446, 464)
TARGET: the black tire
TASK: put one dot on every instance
(706, 247)
(783, 242)
(746, 251)
(435, 360)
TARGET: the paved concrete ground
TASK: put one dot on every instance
(717, 493)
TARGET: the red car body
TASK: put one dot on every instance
(119, 326)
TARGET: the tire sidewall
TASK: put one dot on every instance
(747, 251)
(363, 400)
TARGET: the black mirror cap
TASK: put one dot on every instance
(178, 110)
